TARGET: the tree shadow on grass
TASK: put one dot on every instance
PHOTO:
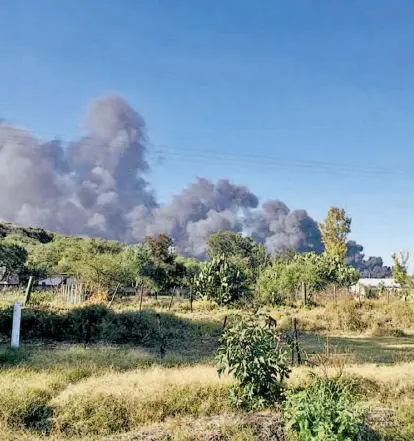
(95, 337)
(364, 349)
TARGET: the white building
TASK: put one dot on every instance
(364, 284)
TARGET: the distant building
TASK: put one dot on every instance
(58, 279)
(172, 249)
(9, 281)
(373, 284)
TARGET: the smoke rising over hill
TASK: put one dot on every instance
(96, 186)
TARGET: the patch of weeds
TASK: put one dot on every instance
(327, 410)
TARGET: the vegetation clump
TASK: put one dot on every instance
(252, 352)
(327, 410)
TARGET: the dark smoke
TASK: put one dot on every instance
(373, 267)
(281, 229)
(96, 186)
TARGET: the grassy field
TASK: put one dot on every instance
(105, 391)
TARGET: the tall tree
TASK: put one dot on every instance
(161, 246)
(400, 269)
(334, 231)
(239, 249)
(168, 272)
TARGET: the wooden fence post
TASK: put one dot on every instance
(28, 290)
(191, 299)
(296, 357)
(172, 298)
(113, 296)
(299, 358)
(305, 293)
(140, 299)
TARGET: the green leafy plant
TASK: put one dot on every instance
(221, 281)
(326, 411)
(254, 354)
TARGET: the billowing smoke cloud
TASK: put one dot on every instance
(96, 186)
(373, 267)
(281, 229)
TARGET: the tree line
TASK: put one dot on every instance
(237, 268)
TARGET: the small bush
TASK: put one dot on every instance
(30, 411)
(6, 320)
(327, 411)
(251, 351)
(86, 322)
(127, 327)
(42, 298)
(381, 330)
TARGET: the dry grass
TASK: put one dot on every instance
(120, 402)
(147, 383)
(362, 348)
(350, 316)
(67, 390)
(112, 402)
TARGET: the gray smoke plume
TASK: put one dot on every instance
(96, 186)
(281, 229)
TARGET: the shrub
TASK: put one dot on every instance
(327, 411)
(251, 351)
(348, 315)
(128, 326)
(6, 319)
(30, 411)
(42, 298)
(268, 286)
(221, 281)
(86, 322)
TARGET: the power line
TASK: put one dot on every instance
(307, 163)
(281, 164)
(272, 162)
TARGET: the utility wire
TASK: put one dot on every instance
(271, 162)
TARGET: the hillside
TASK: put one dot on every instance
(38, 234)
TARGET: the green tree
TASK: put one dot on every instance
(400, 274)
(282, 279)
(12, 260)
(192, 269)
(241, 250)
(269, 287)
(335, 272)
(97, 263)
(221, 280)
(285, 277)
(167, 273)
(334, 231)
(400, 268)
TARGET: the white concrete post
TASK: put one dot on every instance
(17, 315)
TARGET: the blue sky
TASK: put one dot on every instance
(323, 81)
